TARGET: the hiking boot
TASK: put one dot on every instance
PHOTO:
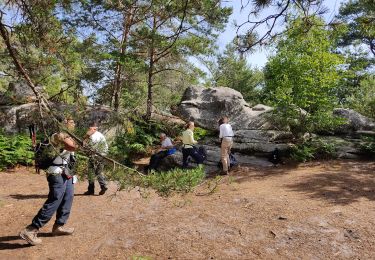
(89, 193)
(30, 235)
(58, 230)
(103, 190)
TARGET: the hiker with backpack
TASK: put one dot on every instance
(188, 147)
(226, 136)
(61, 188)
(97, 141)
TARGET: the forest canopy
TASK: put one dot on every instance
(141, 55)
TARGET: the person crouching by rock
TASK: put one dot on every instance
(188, 148)
(61, 188)
(166, 149)
(226, 136)
(97, 142)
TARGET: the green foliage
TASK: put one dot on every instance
(234, 72)
(313, 149)
(15, 150)
(303, 75)
(358, 15)
(145, 42)
(367, 145)
(176, 180)
(356, 42)
(137, 136)
(48, 52)
(164, 183)
(363, 99)
(200, 133)
(81, 166)
(302, 153)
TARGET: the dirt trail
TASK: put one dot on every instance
(314, 211)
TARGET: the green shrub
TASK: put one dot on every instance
(200, 133)
(303, 152)
(178, 180)
(15, 150)
(367, 145)
(324, 149)
(81, 166)
(137, 137)
(313, 149)
(164, 183)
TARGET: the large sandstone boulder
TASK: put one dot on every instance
(345, 148)
(355, 121)
(205, 106)
(17, 118)
(18, 93)
(254, 131)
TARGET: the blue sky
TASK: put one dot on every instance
(259, 57)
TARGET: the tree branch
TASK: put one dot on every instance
(42, 102)
(161, 54)
(167, 69)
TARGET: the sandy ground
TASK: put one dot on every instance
(320, 210)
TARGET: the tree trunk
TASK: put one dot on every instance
(128, 21)
(151, 72)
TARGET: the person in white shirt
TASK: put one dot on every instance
(166, 149)
(97, 142)
(226, 135)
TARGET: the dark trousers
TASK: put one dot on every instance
(60, 200)
(96, 170)
(156, 158)
(194, 153)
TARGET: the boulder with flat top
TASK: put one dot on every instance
(205, 106)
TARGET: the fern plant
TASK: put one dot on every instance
(15, 150)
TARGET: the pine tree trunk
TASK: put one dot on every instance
(151, 72)
(128, 21)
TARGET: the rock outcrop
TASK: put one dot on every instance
(16, 118)
(254, 132)
(17, 93)
(355, 121)
(213, 158)
(205, 106)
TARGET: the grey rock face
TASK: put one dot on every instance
(254, 132)
(355, 121)
(17, 118)
(18, 93)
(345, 148)
(213, 158)
(205, 106)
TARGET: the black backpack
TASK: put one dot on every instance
(44, 154)
(232, 159)
(275, 157)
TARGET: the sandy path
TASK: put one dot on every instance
(314, 211)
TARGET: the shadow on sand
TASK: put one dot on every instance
(339, 184)
(16, 242)
(28, 196)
